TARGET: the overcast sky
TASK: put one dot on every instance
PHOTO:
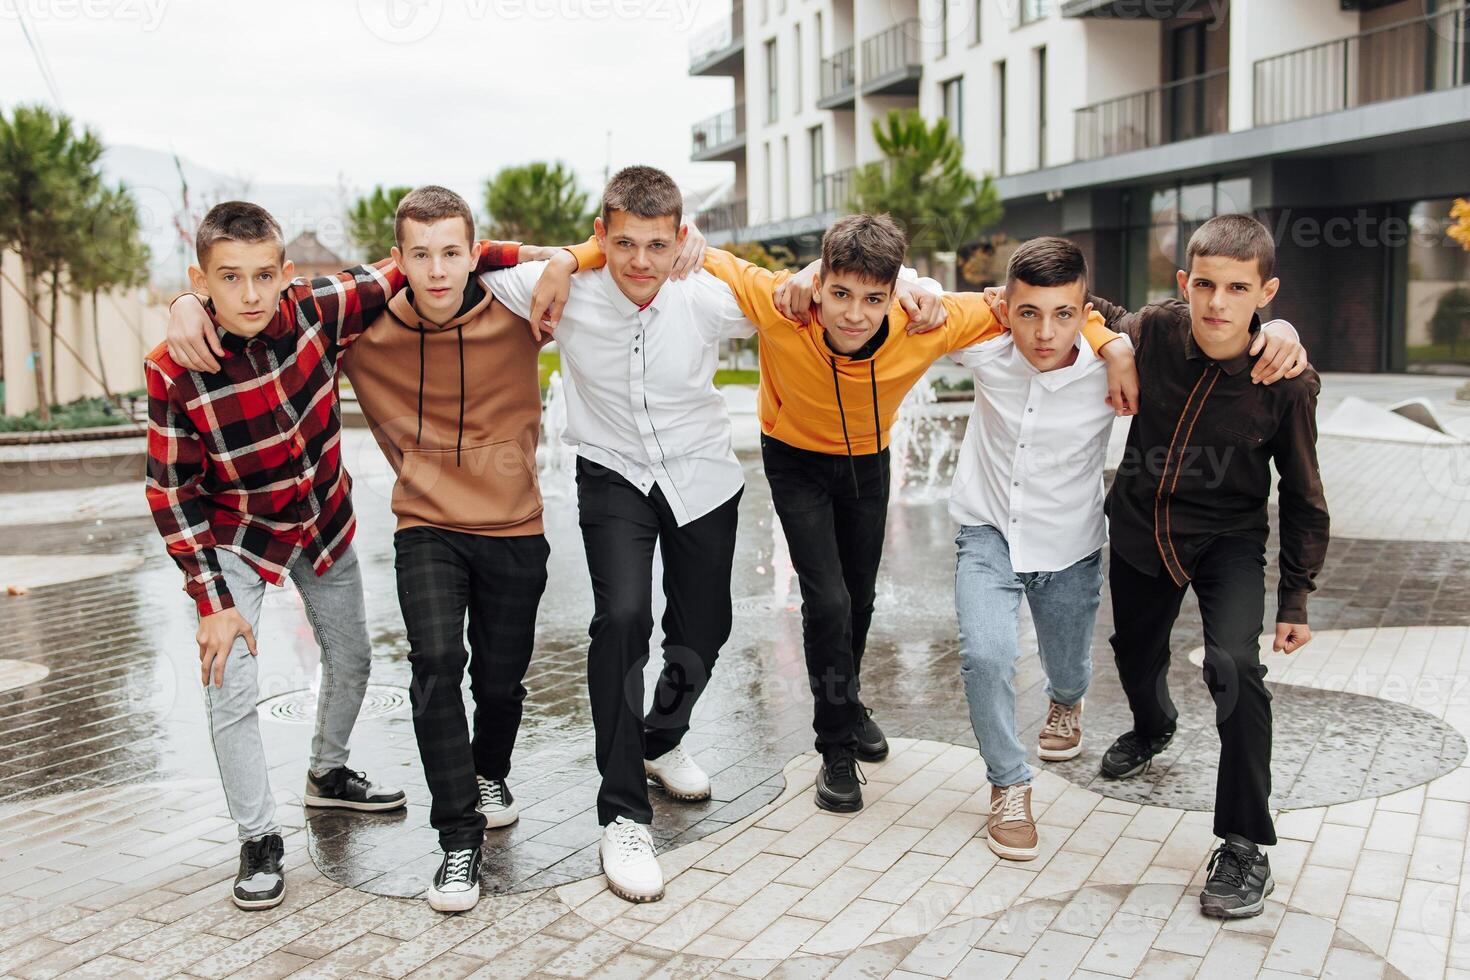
(378, 91)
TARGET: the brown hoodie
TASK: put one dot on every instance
(457, 410)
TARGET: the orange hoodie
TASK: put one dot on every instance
(816, 399)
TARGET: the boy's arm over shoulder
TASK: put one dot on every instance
(1120, 319)
(175, 471)
(753, 286)
(1303, 506)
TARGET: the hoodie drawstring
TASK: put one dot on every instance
(877, 427)
(459, 436)
(837, 388)
(419, 436)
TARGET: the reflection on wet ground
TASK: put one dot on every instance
(122, 705)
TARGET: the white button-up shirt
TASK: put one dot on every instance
(640, 384)
(1031, 465)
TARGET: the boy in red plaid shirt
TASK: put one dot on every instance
(246, 485)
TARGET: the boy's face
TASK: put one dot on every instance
(1045, 321)
(640, 252)
(438, 258)
(851, 308)
(1224, 295)
(244, 279)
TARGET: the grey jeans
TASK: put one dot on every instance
(334, 605)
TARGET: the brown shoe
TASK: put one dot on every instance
(1011, 830)
(1061, 736)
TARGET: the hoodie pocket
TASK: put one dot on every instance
(488, 487)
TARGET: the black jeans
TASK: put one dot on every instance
(1230, 584)
(444, 576)
(834, 511)
(620, 526)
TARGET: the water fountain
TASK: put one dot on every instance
(922, 448)
(558, 461)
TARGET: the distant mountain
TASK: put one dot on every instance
(154, 181)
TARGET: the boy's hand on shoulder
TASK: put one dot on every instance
(1282, 353)
(1122, 373)
(217, 633)
(193, 343)
(1291, 637)
(925, 310)
(549, 297)
(793, 298)
(993, 297)
(691, 255)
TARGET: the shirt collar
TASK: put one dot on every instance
(1233, 365)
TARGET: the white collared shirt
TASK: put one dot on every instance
(640, 384)
(1031, 465)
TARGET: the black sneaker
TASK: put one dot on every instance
(456, 886)
(261, 882)
(496, 804)
(1131, 754)
(838, 784)
(1240, 880)
(345, 789)
(871, 745)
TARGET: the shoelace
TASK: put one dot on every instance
(457, 866)
(257, 858)
(631, 840)
(1132, 742)
(1012, 804)
(1059, 721)
(677, 758)
(1230, 865)
(845, 767)
(491, 793)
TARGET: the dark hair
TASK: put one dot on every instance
(1047, 262)
(432, 203)
(867, 245)
(645, 192)
(237, 221)
(1234, 236)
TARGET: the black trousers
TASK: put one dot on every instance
(443, 578)
(1230, 584)
(834, 511)
(620, 526)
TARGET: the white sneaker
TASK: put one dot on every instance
(456, 886)
(496, 803)
(679, 775)
(629, 863)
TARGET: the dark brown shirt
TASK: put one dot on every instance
(1199, 453)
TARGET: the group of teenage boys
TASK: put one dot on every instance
(440, 343)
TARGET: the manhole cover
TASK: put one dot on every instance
(299, 707)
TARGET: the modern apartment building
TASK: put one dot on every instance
(1344, 124)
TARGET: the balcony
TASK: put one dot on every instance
(1182, 110)
(839, 78)
(723, 218)
(892, 61)
(720, 137)
(1426, 54)
(720, 50)
(1154, 10)
(832, 192)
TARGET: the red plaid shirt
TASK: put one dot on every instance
(249, 458)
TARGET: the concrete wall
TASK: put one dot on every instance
(130, 327)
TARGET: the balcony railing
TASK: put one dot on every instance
(1177, 111)
(1425, 54)
(838, 77)
(718, 133)
(895, 51)
(831, 192)
(730, 216)
(722, 37)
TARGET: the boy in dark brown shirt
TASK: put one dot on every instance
(1189, 508)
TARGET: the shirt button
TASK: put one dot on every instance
(1030, 410)
(1016, 484)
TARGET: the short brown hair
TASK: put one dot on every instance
(867, 245)
(646, 192)
(237, 221)
(1047, 261)
(1234, 236)
(432, 203)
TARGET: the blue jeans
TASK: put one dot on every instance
(988, 600)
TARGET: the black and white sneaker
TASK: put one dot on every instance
(456, 886)
(1132, 753)
(261, 881)
(496, 803)
(347, 789)
(839, 782)
(1240, 879)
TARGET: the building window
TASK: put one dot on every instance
(817, 154)
(772, 102)
(1436, 290)
(979, 15)
(943, 28)
(817, 30)
(953, 96)
(1161, 219)
(1000, 114)
(785, 176)
(1034, 10)
(1041, 107)
(770, 197)
(796, 47)
(765, 10)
